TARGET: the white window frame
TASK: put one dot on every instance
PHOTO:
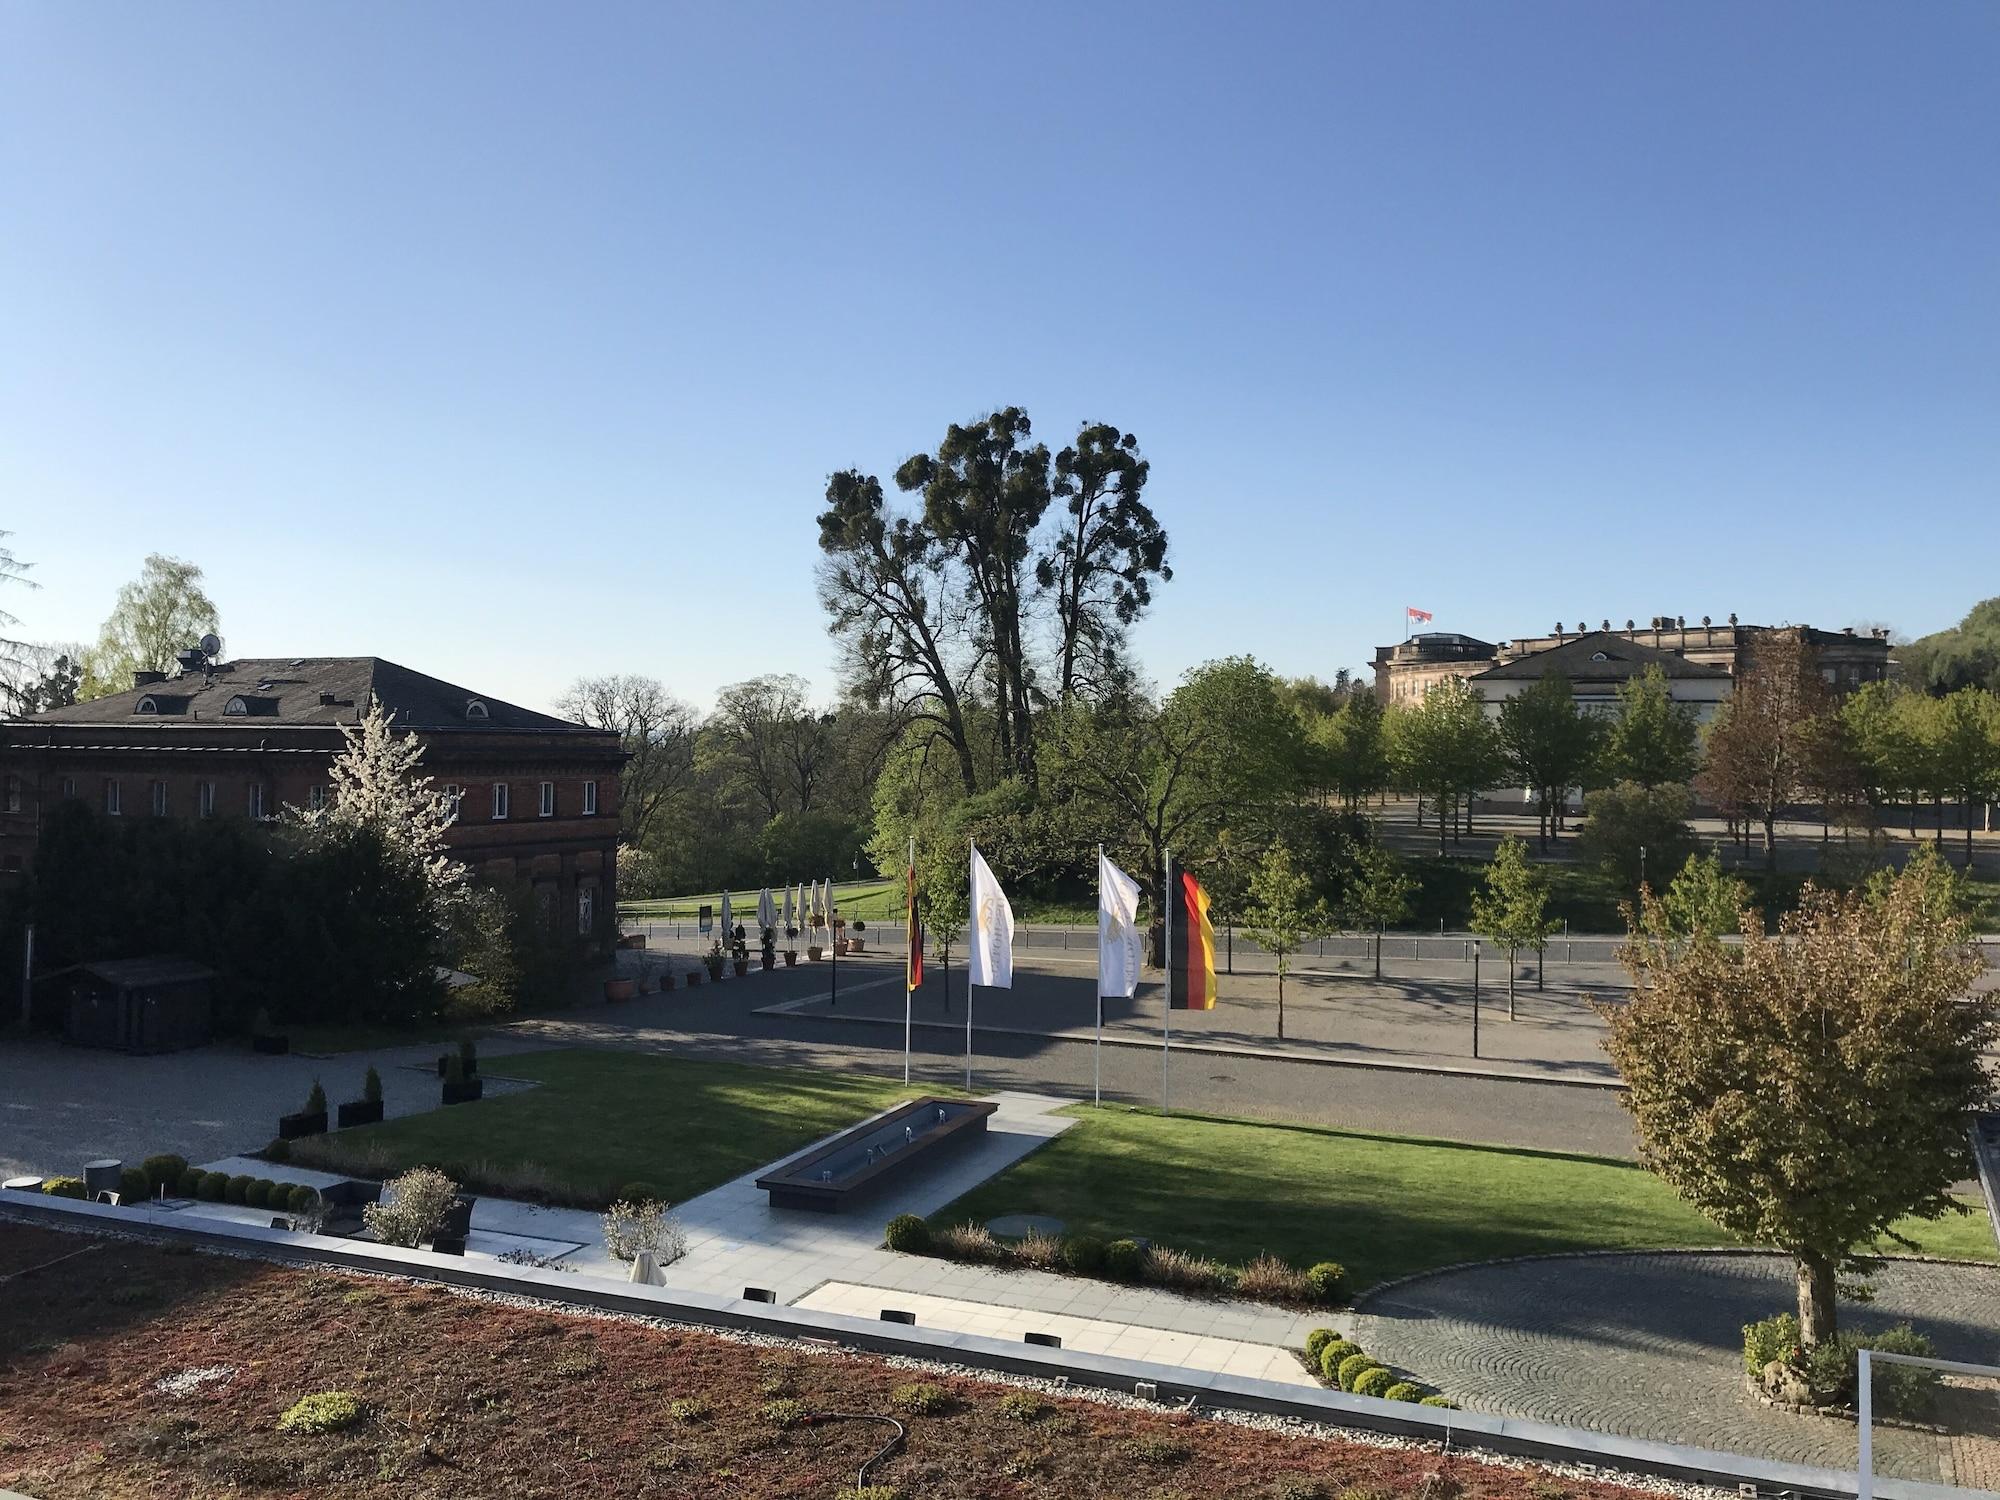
(204, 799)
(316, 797)
(236, 706)
(586, 909)
(590, 799)
(13, 794)
(254, 800)
(114, 798)
(548, 799)
(159, 794)
(503, 799)
(454, 794)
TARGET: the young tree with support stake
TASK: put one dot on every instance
(1379, 894)
(1287, 914)
(1810, 1088)
(1513, 911)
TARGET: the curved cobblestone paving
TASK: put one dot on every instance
(1650, 1346)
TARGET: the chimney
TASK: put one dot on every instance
(147, 679)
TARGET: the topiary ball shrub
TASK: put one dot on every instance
(190, 1184)
(1316, 1343)
(1124, 1260)
(1349, 1370)
(279, 1150)
(908, 1235)
(164, 1171)
(1404, 1390)
(329, 1411)
(258, 1194)
(1375, 1382)
(1444, 1401)
(134, 1186)
(63, 1187)
(1326, 1282)
(1331, 1356)
(1084, 1254)
(640, 1192)
(301, 1199)
(213, 1186)
(237, 1189)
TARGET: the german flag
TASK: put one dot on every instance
(914, 978)
(1191, 966)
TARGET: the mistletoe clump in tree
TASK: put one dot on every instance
(1809, 1088)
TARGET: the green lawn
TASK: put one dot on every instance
(1383, 1206)
(603, 1119)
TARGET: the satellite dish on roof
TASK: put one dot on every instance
(211, 645)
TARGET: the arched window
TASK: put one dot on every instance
(475, 709)
(146, 705)
(236, 705)
(1599, 656)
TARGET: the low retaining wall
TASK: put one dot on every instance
(1509, 1436)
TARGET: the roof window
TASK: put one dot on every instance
(475, 708)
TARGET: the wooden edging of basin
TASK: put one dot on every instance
(1170, 1385)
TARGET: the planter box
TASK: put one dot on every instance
(291, 1127)
(814, 952)
(666, 980)
(742, 967)
(769, 960)
(271, 1046)
(463, 1093)
(791, 960)
(620, 989)
(633, 940)
(856, 945)
(360, 1112)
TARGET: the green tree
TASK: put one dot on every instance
(1884, 736)
(1286, 912)
(1444, 748)
(57, 685)
(1353, 748)
(657, 732)
(1652, 740)
(1703, 900)
(1634, 832)
(1549, 745)
(1812, 1088)
(159, 615)
(1512, 912)
(1967, 655)
(1961, 748)
(1762, 745)
(1378, 894)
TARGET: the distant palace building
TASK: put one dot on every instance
(536, 796)
(1700, 661)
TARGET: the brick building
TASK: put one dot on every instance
(537, 796)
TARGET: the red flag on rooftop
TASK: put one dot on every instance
(1410, 611)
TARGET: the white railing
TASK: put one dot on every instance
(1864, 1473)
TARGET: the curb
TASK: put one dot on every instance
(1210, 1049)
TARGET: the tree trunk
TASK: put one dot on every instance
(1937, 806)
(1444, 828)
(1378, 952)
(1281, 1001)
(1817, 1290)
(1771, 841)
(1512, 967)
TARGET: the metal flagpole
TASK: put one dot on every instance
(1097, 1047)
(1167, 955)
(833, 939)
(973, 907)
(909, 877)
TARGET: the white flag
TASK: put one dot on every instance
(1117, 930)
(992, 943)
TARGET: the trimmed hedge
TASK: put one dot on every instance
(1404, 1390)
(236, 1189)
(639, 1192)
(190, 1183)
(1083, 1254)
(164, 1171)
(1444, 1401)
(1316, 1343)
(1326, 1282)
(1351, 1368)
(907, 1234)
(134, 1186)
(63, 1187)
(1331, 1356)
(213, 1186)
(301, 1199)
(1375, 1382)
(258, 1194)
(1124, 1260)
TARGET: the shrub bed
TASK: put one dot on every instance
(1829, 1371)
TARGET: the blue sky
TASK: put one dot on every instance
(517, 341)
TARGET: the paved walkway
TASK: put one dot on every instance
(1650, 1346)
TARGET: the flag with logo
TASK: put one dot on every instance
(1118, 939)
(1416, 616)
(992, 957)
(1191, 961)
(914, 975)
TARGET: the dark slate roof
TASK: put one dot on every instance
(308, 690)
(142, 973)
(1577, 660)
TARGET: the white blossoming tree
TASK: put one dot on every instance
(378, 784)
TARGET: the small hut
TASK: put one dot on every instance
(140, 1004)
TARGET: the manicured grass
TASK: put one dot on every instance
(603, 1119)
(1383, 1206)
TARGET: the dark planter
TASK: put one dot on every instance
(444, 1065)
(742, 967)
(666, 981)
(360, 1112)
(791, 960)
(694, 978)
(463, 1093)
(770, 959)
(271, 1046)
(291, 1127)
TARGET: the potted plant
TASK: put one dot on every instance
(666, 980)
(367, 1110)
(620, 987)
(458, 1088)
(791, 957)
(856, 943)
(264, 1039)
(769, 953)
(468, 1055)
(739, 952)
(693, 978)
(309, 1121)
(713, 960)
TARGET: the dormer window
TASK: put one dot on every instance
(1599, 656)
(244, 703)
(476, 709)
(237, 705)
(146, 705)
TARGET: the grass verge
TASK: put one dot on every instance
(603, 1119)
(1383, 1206)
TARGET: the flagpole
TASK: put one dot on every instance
(973, 907)
(1097, 1047)
(1167, 955)
(911, 879)
(833, 940)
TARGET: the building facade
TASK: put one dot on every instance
(536, 796)
(1597, 665)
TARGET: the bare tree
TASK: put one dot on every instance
(780, 744)
(658, 732)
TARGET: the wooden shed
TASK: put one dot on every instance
(140, 1004)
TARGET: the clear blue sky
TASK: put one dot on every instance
(517, 341)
